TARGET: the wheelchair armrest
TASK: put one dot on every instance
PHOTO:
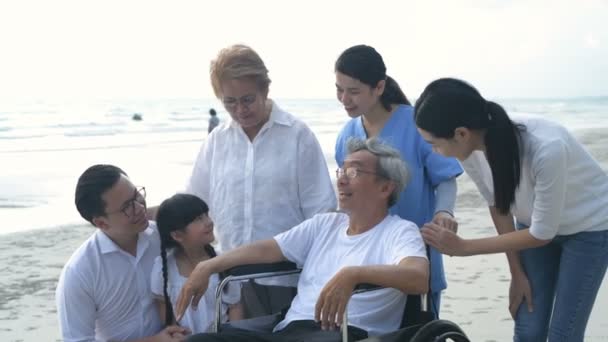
(364, 287)
(261, 268)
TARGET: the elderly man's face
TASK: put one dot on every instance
(359, 187)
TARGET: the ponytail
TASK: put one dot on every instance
(392, 94)
(449, 103)
(502, 140)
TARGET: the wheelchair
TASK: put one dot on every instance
(418, 324)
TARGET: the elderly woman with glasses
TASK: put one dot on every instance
(260, 172)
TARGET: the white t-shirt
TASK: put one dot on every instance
(321, 247)
(258, 189)
(201, 319)
(562, 190)
(104, 293)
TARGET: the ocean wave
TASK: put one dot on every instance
(190, 118)
(6, 203)
(82, 124)
(22, 136)
(92, 133)
(101, 147)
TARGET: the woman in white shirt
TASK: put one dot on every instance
(262, 172)
(536, 176)
(186, 233)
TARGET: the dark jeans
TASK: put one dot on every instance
(296, 331)
(565, 276)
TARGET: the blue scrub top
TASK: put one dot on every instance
(427, 169)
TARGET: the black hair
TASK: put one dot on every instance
(92, 184)
(448, 103)
(364, 63)
(176, 213)
(212, 112)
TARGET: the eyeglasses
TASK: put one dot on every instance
(129, 207)
(352, 172)
(230, 103)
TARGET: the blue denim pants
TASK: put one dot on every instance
(565, 276)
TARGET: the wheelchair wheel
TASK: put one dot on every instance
(440, 331)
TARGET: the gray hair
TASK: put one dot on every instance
(390, 164)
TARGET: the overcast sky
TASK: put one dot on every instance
(162, 49)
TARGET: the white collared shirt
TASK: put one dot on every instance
(256, 190)
(104, 293)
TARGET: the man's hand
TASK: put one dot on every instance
(334, 297)
(445, 220)
(172, 333)
(519, 291)
(444, 240)
(192, 291)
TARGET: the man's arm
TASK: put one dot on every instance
(75, 307)
(410, 276)
(77, 313)
(266, 251)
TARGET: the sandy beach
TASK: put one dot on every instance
(476, 298)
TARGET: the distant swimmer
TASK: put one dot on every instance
(214, 121)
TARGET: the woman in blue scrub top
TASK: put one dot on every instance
(379, 108)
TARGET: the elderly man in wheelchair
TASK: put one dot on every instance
(362, 243)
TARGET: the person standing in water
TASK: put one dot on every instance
(214, 121)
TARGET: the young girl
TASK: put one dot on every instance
(534, 172)
(186, 233)
(379, 108)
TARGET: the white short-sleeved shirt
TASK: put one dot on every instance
(201, 319)
(562, 190)
(258, 189)
(104, 293)
(321, 247)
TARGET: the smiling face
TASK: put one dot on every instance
(196, 234)
(460, 146)
(245, 103)
(366, 189)
(125, 211)
(357, 97)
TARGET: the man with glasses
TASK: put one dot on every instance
(103, 292)
(361, 244)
